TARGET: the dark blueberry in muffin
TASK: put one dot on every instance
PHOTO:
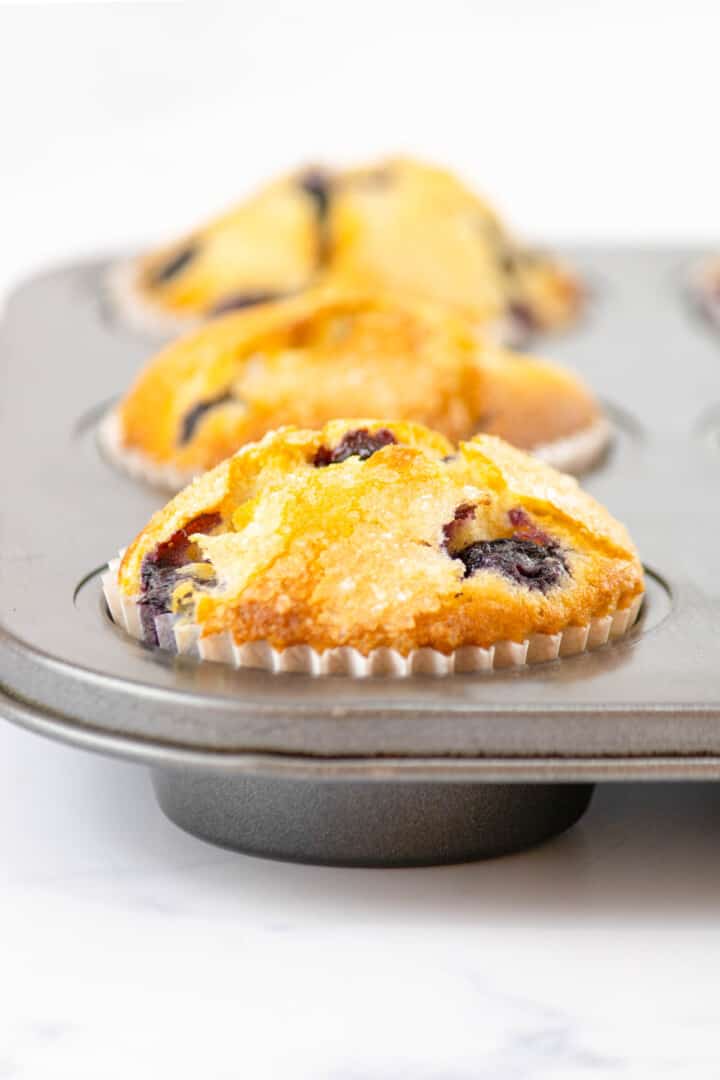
(536, 566)
(523, 316)
(174, 265)
(318, 185)
(162, 569)
(192, 418)
(463, 513)
(359, 443)
(239, 300)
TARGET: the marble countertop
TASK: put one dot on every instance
(129, 948)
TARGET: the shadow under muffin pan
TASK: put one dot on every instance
(376, 771)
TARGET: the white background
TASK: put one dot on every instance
(126, 122)
(129, 949)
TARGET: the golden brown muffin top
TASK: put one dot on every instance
(371, 533)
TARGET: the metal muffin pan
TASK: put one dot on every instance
(380, 771)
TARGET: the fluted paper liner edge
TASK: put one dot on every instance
(176, 635)
(132, 307)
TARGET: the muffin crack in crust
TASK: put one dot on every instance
(394, 548)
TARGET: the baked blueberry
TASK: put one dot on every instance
(194, 416)
(359, 443)
(523, 316)
(464, 513)
(536, 566)
(239, 300)
(318, 185)
(162, 569)
(174, 265)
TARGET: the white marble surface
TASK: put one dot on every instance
(131, 949)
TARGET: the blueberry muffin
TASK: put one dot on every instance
(336, 549)
(705, 284)
(398, 225)
(330, 353)
(541, 407)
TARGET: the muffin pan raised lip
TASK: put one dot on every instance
(647, 706)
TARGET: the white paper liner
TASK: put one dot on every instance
(573, 454)
(577, 452)
(130, 304)
(179, 636)
(134, 462)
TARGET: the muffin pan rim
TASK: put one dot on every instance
(490, 769)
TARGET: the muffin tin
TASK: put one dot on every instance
(374, 771)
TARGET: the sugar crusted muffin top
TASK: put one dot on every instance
(376, 534)
(399, 224)
(338, 352)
